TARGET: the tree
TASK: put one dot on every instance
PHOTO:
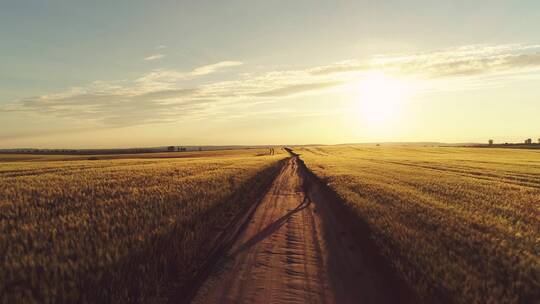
(491, 142)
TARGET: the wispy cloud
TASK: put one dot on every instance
(166, 95)
(154, 57)
(462, 61)
(209, 69)
(298, 88)
(165, 79)
(161, 96)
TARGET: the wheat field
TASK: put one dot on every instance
(79, 231)
(460, 225)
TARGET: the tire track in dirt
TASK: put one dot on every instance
(294, 250)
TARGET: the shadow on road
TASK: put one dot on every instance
(270, 229)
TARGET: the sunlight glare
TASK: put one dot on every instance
(380, 98)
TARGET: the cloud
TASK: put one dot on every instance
(165, 79)
(160, 79)
(154, 57)
(167, 95)
(212, 68)
(462, 61)
(341, 67)
(473, 60)
(298, 88)
(163, 95)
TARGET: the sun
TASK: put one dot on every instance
(379, 98)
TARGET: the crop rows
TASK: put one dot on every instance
(117, 230)
(459, 225)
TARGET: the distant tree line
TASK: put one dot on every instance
(527, 141)
(98, 151)
(179, 149)
(176, 149)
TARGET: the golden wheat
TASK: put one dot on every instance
(459, 224)
(118, 230)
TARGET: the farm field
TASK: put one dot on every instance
(11, 157)
(78, 230)
(459, 225)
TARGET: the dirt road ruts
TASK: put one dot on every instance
(294, 250)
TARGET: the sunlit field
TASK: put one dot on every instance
(270, 152)
(459, 224)
(131, 229)
(12, 157)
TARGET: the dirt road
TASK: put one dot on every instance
(294, 250)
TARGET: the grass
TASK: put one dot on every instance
(460, 225)
(114, 230)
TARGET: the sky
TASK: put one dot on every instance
(97, 74)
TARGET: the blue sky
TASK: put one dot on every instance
(60, 48)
